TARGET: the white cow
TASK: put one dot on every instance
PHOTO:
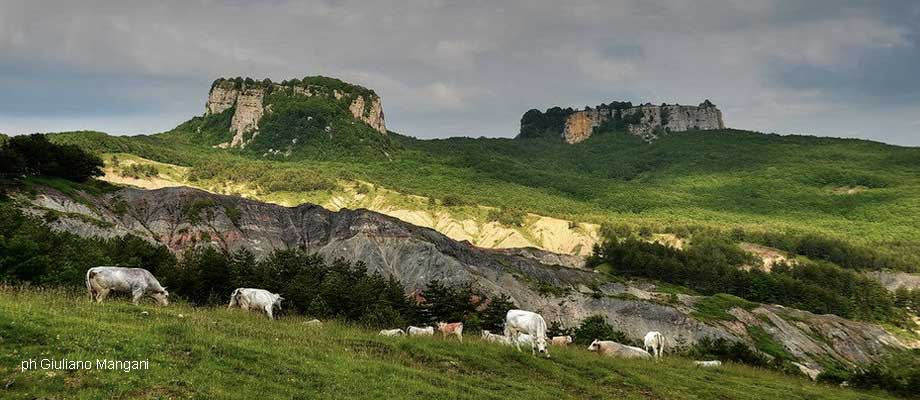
(562, 340)
(256, 300)
(519, 322)
(137, 281)
(614, 349)
(708, 364)
(392, 332)
(526, 340)
(654, 343)
(494, 338)
(421, 331)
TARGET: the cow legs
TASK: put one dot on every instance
(101, 295)
(268, 311)
(136, 295)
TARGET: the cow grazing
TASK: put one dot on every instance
(654, 343)
(256, 300)
(526, 340)
(708, 364)
(139, 282)
(561, 340)
(519, 322)
(420, 331)
(452, 328)
(392, 332)
(491, 337)
(614, 349)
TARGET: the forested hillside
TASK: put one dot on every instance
(847, 201)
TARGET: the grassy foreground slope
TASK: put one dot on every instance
(216, 353)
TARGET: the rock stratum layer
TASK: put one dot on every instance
(248, 99)
(416, 255)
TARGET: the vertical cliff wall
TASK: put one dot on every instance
(249, 102)
(647, 121)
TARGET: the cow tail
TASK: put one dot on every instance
(89, 286)
(233, 300)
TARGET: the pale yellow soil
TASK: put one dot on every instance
(468, 223)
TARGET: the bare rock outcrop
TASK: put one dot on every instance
(646, 121)
(892, 280)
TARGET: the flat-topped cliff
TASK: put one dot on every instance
(250, 101)
(647, 121)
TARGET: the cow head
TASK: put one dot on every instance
(541, 346)
(277, 302)
(485, 333)
(568, 339)
(161, 297)
(593, 346)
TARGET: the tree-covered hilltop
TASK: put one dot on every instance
(323, 84)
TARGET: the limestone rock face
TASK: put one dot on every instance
(579, 125)
(249, 103)
(646, 121)
(369, 112)
(221, 98)
(246, 118)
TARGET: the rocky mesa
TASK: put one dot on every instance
(248, 101)
(647, 121)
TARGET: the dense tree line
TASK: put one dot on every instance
(34, 155)
(30, 252)
(535, 124)
(714, 265)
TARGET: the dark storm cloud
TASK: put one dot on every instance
(470, 68)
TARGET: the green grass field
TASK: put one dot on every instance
(208, 353)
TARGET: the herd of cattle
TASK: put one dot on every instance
(521, 327)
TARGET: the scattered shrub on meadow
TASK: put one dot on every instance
(508, 216)
(138, 171)
(596, 327)
(725, 350)
(452, 200)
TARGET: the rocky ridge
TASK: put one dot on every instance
(183, 218)
(646, 121)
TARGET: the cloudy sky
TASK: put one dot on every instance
(470, 68)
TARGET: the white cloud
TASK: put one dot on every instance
(447, 96)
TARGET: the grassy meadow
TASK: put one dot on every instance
(211, 352)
